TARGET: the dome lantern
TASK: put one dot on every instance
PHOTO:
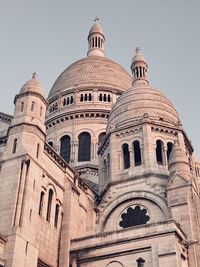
(96, 40)
(139, 68)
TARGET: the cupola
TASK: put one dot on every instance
(139, 68)
(96, 40)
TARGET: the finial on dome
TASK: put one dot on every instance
(137, 50)
(96, 40)
(96, 19)
(34, 75)
(139, 68)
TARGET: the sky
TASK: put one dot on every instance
(46, 36)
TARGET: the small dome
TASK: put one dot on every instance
(138, 56)
(33, 85)
(96, 28)
(92, 71)
(142, 101)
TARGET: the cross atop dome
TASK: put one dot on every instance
(96, 19)
(34, 75)
(96, 40)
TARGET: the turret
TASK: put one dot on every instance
(178, 162)
(96, 40)
(139, 68)
(27, 131)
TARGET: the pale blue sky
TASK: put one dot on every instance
(46, 36)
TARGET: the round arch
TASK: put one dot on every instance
(146, 195)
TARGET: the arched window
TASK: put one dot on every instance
(71, 100)
(84, 147)
(22, 106)
(41, 203)
(41, 111)
(50, 143)
(14, 146)
(50, 197)
(90, 97)
(100, 97)
(38, 150)
(109, 99)
(140, 262)
(81, 98)
(65, 147)
(126, 156)
(137, 153)
(101, 136)
(32, 106)
(104, 98)
(169, 149)
(56, 215)
(159, 151)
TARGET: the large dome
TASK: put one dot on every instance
(92, 71)
(142, 101)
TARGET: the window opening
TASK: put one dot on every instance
(50, 197)
(137, 153)
(84, 147)
(22, 106)
(56, 216)
(159, 148)
(14, 146)
(169, 149)
(65, 150)
(41, 203)
(32, 106)
(126, 156)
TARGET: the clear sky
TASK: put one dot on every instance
(46, 36)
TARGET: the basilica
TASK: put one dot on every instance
(100, 173)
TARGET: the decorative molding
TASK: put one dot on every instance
(164, 130)
(129, 132)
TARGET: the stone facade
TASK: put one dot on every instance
(101, 173)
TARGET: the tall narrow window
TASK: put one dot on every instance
(50, 197)
(137, 153)
(86, 97)
(159, 151)
(169, 149)
(90, 97)
(22, 106)
(14, 146)
(81, 98)
(84, 147)
(56, 215)
(65, 147)
(71, 100)
(126, 156)
(38, 150)
(101, 136)
(109, 99)
(41, 111)
(100, 97)
(105, 170)
(41, 203)
(104, 98)
(32, 106)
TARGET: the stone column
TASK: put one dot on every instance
(132, 158)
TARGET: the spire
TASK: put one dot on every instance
(139, 68)
(96, 40)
